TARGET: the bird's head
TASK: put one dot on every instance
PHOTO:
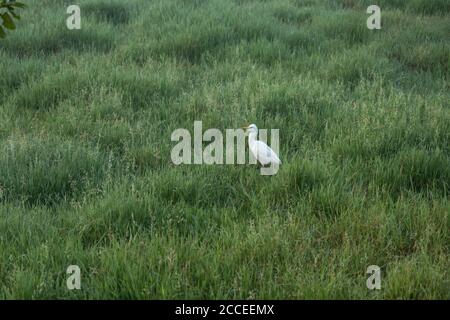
(251, 128)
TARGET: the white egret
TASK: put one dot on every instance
(262, 152)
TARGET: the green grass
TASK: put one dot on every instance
(86, 176)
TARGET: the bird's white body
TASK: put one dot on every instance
(260, 150)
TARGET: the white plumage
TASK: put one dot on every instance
(262, 152)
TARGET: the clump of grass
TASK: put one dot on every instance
(415, 170)
(429, 7)
(46, 94)
(39, 172)
(56, 39)
(115, 13)
(343, 25)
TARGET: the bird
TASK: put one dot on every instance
(262, 152)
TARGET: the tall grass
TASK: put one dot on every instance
(85, 171)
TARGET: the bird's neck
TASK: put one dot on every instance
(252, 136)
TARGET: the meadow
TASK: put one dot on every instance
(85, 171)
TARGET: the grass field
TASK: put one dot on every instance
(85, 171)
